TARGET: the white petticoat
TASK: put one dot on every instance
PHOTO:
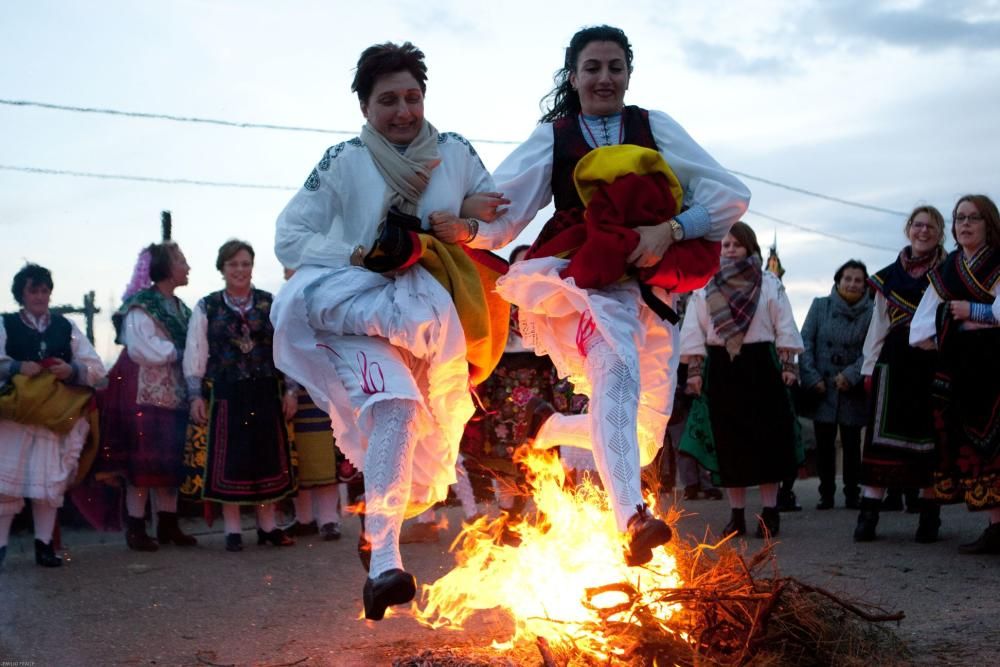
(353, 337)
(37, 463)
(550, 309)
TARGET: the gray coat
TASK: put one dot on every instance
(834, 334)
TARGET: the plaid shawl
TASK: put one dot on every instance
(731, 296)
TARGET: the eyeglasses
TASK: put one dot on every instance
(972, 218)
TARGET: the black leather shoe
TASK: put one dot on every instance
(298, 529)
(3, 555)
(930, 522)
(787, 502)
(389, 588)
(713, 494)
(769, 523)
(691, 492)
(825, 503)
(277, 537)
(645, 533)
(234, 542)
(737, 523)
(45, 554)
(988, 542)
(330, 531)
(867, 519)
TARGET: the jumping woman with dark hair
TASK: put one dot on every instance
(386, 321)
(587, 293)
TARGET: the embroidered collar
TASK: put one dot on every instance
(39, 324)
(240, 305)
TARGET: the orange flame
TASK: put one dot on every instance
(570, 546)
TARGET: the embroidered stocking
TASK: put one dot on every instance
(388, 471)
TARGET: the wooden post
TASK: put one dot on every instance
(88, 311)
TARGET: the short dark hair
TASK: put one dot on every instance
(387, 58)
(30, 274)
(746, 237)
(229, 249)
(991, 217)
(161, 260)
(850, 264)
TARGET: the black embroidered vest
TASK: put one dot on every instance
(27, 344)
(227, 362)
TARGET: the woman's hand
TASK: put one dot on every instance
(199, 413)
(819, 387)
(694, 385)
(61, 370)
(30, 368)
(484, 206)
(449, 227)
(654, 240)
(289, 405)
(841, 383)
(788, 378)
(960, 310)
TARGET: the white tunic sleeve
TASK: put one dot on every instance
(525, 178)
(877, 331)
(786, 333)
(146, 343)
(90, 367)
(694, 329)
(706, 183)
(196, 347)
(6, 363)
(305, 232)
(923, 327)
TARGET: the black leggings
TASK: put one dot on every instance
(826, 458)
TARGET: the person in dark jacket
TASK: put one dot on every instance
(834, 334)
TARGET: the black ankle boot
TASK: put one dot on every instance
(234, 542)
(389, 588)
(737, 523)
(45, 554)
(167, 531)
(136, 537)
(787, 502)
(277, 537)
(769, 524)
(930, 522)
(867, 520)
(988, 542)
(645, 533)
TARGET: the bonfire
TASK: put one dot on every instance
(560, 575)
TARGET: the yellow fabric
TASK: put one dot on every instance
(484, 315)
(42, 400)
(603, 165)
(89, 453)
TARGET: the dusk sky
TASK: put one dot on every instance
(889, 104)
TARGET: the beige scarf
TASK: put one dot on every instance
(406, 174)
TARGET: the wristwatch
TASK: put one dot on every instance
(676, 230)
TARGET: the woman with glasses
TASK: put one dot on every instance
(899, 440)
(960, 317)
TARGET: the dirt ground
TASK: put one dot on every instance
(301, 605)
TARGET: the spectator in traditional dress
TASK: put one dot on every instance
(44, 420)
(960, 315)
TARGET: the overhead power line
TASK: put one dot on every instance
(195, 119)
(846, 202)
(835, 237)
(296, 128)
(144, 179)
(265, 186)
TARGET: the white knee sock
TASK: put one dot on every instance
(304, 506)
(231, 519)
(165, 499)
(737, 497)
(44, 517)
(265, 517)
(614, 413)
(327, 503)
(388, 472)
(876, 492)
(135, 501)
(463, 489)
(769, 494)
